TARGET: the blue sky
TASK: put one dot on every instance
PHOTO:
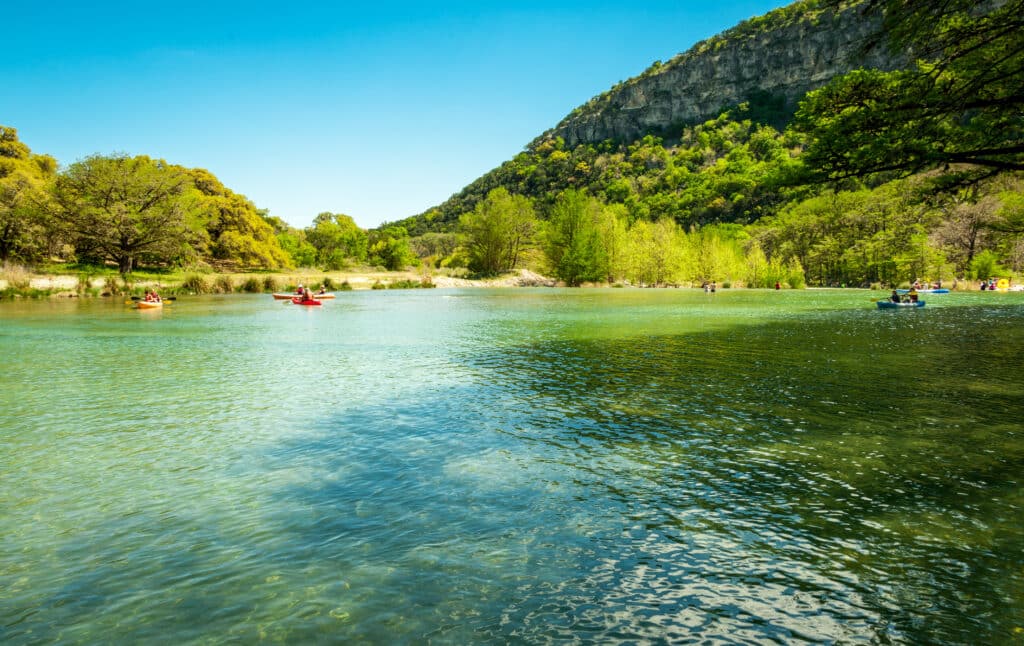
(378, 110)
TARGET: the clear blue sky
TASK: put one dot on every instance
(379, 110)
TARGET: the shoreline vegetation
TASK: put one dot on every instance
(19, 283)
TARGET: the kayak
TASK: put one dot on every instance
(149, 305)
(288, 297)
(887, 305)
(925, 291)
(299, 301)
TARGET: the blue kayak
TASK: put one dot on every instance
(925, 291)
(889, 305)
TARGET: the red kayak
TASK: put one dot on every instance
(312, 301)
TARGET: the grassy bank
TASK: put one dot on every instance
(78, 281)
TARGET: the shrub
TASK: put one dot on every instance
(224, 284)
(113, 285)
(84, 285)
(328, 283)
(378, 285)
(345, 287)
(252, 285)
(196, 284)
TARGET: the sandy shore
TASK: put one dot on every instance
(523, 278)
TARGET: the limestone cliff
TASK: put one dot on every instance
(769, 62)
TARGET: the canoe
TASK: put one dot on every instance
(925, 291)
(299, 301)
(288, 297)
(889, 305)
(149, 305)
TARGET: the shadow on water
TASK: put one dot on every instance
(828, 479)
(782, 481)
(886, 489)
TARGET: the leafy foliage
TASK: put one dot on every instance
(124, 209)
(337, 240)
(497, 230)
(23, 179)
(236, 232)
(389, 248)
(960, 110)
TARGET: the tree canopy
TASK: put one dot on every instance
(122, 208)
(23, 181)
(960, 109)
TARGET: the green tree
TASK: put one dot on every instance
(986, 265)
(656, 252)
(338, 240)
(23, 181)
(435, 248)
(292, 240)
(497, 230)
(572, 241)
(121, 208)
(389, 247)
(959, 110)
(235, 230)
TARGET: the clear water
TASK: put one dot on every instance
(513, 466)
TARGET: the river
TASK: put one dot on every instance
(513, 466)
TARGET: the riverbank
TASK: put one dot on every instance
(31, 285)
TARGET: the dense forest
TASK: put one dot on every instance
(879, 177)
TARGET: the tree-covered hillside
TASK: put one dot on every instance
(884, 176)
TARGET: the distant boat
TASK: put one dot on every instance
(889, 305)
(925, 291)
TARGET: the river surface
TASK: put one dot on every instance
(513, 466)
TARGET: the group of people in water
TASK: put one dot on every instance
(909, 297)
(307, 295)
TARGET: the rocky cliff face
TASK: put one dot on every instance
(770, 62)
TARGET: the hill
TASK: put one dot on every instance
(759, 70)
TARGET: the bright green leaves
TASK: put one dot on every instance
(338, 241)
(125, 209)
(23, 198)
(961, 109)
(497, 231)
